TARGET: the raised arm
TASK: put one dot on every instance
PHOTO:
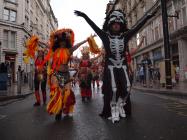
(140, 24)
(75, 47)
(140, 44)
(99, 32)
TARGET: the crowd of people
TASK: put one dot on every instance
(52, 67)
(148, 75)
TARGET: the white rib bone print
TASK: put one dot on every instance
(117, 47)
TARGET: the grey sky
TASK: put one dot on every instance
(64, 11)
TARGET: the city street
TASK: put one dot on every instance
(154, 117)
(118, 45)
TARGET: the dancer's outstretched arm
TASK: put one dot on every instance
(75, 47)
(91, 23)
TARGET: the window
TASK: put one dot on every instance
(6, 14)
(13, 40)
(183, 2)
(156, 33)
(12, 16)
(27, 4)
(9, 39)
(144, 10)
(13, 1)
(184, 15)
(171, 24)
(9, 15)
(5, 39)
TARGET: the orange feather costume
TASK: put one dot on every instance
(62, 98)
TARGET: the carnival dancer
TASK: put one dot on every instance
(116, 83)
(95, 72)
(85, 75)
(62, 98)
(35, 50)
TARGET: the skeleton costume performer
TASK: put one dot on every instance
(116, 82)
(36, 52)
(62, 98)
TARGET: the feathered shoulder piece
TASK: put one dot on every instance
(31, 48)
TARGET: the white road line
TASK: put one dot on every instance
(2, 116)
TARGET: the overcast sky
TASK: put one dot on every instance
(64, 12)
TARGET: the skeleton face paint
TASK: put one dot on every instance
(116, 16)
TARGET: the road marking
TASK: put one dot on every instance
(176, 105)
(2, 116)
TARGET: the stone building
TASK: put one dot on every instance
(153, 32)
(19, 19)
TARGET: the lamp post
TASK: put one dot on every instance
(166, 45)
(0, 51)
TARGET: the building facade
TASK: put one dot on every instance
(153, 32)
(19, 19)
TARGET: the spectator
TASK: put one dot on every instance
(3, 68)
(146, 62)
(185, 72)
(3, 76)
(141, 74)
(177, 71)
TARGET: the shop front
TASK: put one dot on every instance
(10, 60)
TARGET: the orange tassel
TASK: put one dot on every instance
(93, 46)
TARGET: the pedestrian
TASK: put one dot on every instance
(95, 73)
(185, 72)
(141, 74)
(3, 76)
(146, 62)
(177, 73)
(116, 84)
(173, 74)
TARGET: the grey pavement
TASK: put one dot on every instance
(179, 90)
(12, 92)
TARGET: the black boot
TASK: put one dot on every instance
(36, 104)
(58, 117)
(83, 99)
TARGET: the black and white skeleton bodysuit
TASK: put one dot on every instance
(116, 82)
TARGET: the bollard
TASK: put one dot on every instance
(19, 79)
(30, 81)
(147, 75)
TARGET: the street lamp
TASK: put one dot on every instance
(166, 45)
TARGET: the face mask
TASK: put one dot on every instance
(116, 16)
